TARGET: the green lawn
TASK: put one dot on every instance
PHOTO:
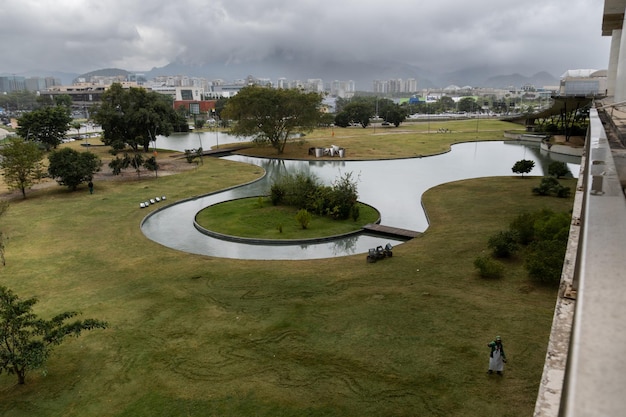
(200, 336)
(408, 140)
(257, 218)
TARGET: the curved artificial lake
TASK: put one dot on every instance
(394, 187)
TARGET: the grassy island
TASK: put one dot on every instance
(256, 217)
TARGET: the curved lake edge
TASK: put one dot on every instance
(168, 230)
(196, 197)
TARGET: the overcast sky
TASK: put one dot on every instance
(78, 36)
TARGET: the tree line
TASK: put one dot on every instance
(131, 119)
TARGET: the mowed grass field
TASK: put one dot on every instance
(410, 139)
(200, 336)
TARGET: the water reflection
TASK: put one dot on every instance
(394, 187)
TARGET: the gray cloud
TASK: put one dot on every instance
(440, 35)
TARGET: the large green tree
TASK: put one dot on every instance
(394, 114)
(27, 340)
(21, 166)
(47, 125)
(134, 117)
(358, 112)
(72, 168)
(468, 104)
(272, 115)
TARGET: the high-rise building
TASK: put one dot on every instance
(12, 83)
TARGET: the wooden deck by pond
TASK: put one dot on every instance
(391, 231)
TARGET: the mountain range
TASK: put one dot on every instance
(362, 73)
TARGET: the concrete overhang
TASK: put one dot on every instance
(613, 16)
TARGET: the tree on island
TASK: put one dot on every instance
(272, 115)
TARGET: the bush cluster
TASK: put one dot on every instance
(542, 236)
(488, 267)
(550, 186)
(304, 191)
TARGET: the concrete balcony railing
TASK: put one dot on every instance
(584, 373)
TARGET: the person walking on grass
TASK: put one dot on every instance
(497, 357)
(90, 185)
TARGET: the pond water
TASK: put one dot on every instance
(394, 187)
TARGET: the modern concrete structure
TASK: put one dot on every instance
(583, 83)
(612, 24)
(584, 374)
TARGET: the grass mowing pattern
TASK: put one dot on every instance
(195, 334)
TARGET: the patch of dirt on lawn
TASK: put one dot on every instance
(168, 165)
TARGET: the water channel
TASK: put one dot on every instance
(394, 187)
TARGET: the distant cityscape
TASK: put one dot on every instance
(86, 90)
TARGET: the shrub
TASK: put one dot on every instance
(294, 190)
(488, 268)
(303, 217)
(558, 169)
(344, 196)
(523, 228)
(277, 194)
(544, 262)
(547, 186)
(304, 192)
(551, 186)
(355, 212)
(552, 226)
(503, 244)
(563, 192)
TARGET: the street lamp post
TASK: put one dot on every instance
(217, 135)
(201, 150)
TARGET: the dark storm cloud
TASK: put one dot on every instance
(83, 35)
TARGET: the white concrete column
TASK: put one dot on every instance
(616, 40)
(620, 75)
